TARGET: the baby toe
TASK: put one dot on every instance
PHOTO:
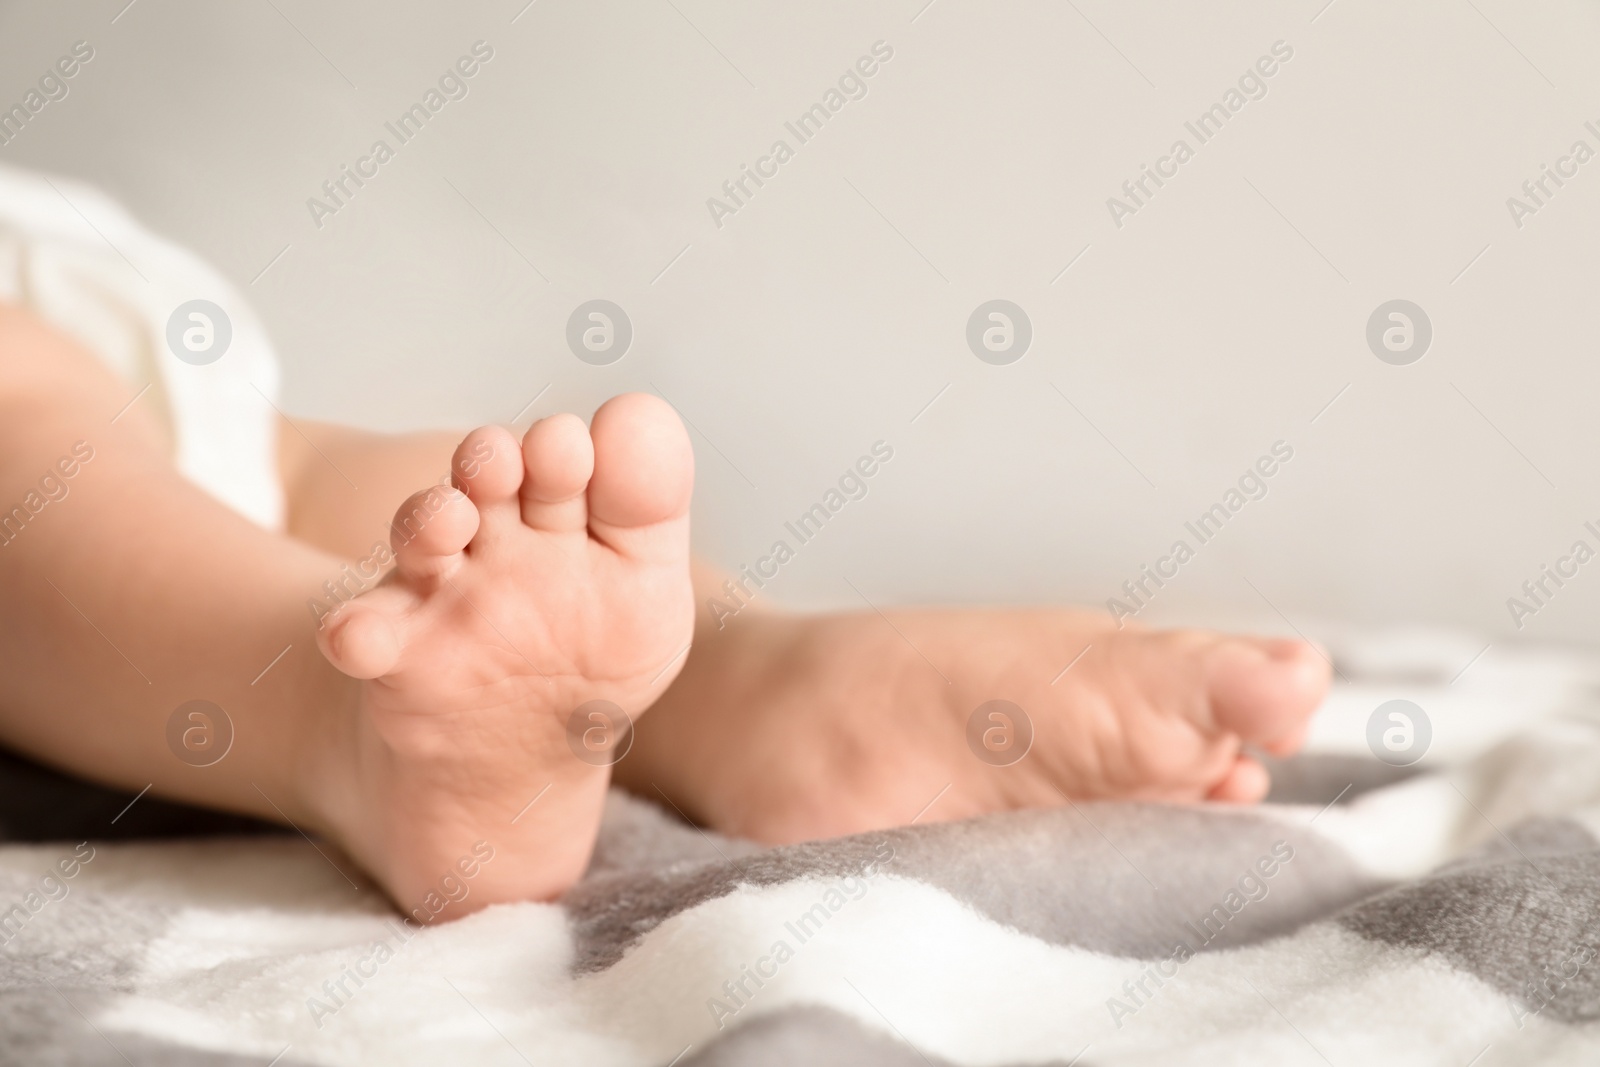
(360, 639)
(487, 466)
(430, 529)
(559, 456)
(1246, 782)
(1265, 691)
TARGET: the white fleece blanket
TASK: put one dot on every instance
(1449, 915)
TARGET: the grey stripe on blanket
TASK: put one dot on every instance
(1094, 933)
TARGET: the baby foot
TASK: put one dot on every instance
(549, 576)
(844, 724)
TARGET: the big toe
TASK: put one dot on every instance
(643, 467)
(1265, 690)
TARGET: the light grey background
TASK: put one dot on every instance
(826, 314)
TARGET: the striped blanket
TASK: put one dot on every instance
(1447, 913)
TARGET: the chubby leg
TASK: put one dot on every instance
(135, 593)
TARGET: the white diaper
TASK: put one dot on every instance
(75, 258)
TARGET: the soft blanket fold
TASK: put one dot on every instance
(1422, 918)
